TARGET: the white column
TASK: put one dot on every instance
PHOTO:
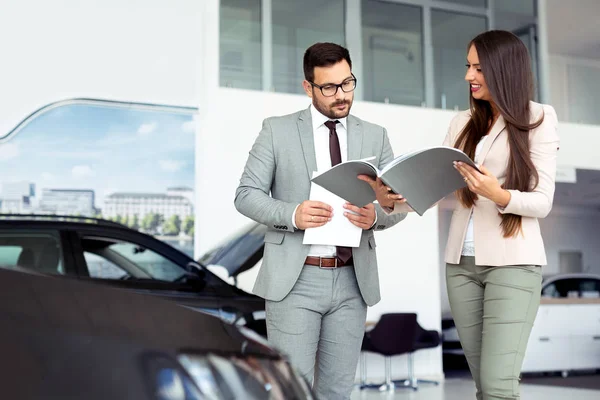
(428, 61)
(266, 13)
(207, 86)
(543, 54)
(353, 32)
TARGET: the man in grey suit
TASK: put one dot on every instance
(316, 296)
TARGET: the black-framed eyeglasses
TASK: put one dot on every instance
(331, 89)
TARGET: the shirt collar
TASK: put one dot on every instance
(319, 119)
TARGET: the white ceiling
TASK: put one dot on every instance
(573, 28)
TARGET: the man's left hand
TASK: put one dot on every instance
(364, 217)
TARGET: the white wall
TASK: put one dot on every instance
(139, 50)
(574, 88)
(408, 252)
(572, 229)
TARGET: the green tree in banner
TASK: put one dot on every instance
(188, 225)
(172, 226)
(151, 222)
(134, 222)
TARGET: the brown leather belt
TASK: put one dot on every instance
(327, 262)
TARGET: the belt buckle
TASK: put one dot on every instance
(321, 263)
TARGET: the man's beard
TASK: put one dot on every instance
(330, 112)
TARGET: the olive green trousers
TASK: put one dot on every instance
(494, 309)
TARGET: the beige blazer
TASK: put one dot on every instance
(491, 248)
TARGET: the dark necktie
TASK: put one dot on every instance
(343, 253)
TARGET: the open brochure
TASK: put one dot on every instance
(423, 177)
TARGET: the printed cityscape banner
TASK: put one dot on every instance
(132, 166)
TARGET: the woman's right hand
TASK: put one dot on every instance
(385, 196)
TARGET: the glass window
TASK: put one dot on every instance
(451, 34)
(572, 287)
(100, 268)
(37, 251)
(590, 288)
(517, 16)
(135, 260)
(296, 26)
(240, 44)
(392, 53)
(472, 3)
(515, 7)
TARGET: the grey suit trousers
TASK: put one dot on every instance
(320, 325)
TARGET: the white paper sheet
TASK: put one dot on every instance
(337, 232)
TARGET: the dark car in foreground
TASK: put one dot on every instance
(61, 338)
(110, 253)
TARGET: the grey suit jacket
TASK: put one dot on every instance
(276, 179)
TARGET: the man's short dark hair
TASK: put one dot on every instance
(323, 55)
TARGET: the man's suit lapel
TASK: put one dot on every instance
(308, 141)
(355, 138)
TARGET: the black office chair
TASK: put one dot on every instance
(393, 335)
(424, 339)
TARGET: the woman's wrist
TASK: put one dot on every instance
(503, 198)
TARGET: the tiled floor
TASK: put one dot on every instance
(462, 389)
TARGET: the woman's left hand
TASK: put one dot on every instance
(483, 184)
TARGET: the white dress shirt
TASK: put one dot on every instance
(321, 139)
(469, 244)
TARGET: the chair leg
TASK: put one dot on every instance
(363, 375)
(412, 381)
(389, 385)
(363, 368)
(363, 371)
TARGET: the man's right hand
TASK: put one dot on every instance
(312, 214)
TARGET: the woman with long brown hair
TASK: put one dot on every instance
(495, 250)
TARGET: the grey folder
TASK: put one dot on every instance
(423, 177)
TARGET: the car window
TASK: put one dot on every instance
(101, 268)
(113, 256)
(36, 251)
(572, 287)
(589, 288)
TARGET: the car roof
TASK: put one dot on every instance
(14, 219)
(572, 275)
(75, 223)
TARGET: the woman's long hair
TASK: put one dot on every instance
(505, 64)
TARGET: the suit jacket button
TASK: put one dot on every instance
(285, 227)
